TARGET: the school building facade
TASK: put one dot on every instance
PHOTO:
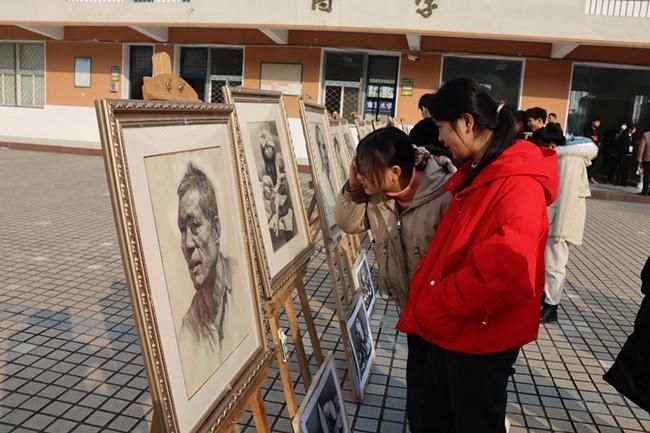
(577, 59)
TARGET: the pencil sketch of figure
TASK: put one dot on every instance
(275, 186)
(327, 172)
(209, 270)
(362, 345)
(348, 143)
(341, 159)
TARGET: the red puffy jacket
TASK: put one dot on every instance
(479, 287)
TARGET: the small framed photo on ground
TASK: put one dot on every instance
(323, 409)
(282, 230)
(361, 346)
(178, 188)
(315, 123)
(363, 282)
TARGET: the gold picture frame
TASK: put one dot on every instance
(261, 116)
(315, 123)
(145, 145)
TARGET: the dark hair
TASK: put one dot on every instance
(536, 113)
(463, 95)
(520, 116)
(550, 134)
(552, 114)
(423, 102)
(595, 118)
(425, 134)
(384, 148)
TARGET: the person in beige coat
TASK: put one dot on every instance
(643, 156)
(397, 192)
(567, 214)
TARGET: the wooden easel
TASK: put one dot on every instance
(164, 86)
(283, 297)
(255, 401)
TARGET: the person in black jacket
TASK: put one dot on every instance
(592, 131)
(630, 374)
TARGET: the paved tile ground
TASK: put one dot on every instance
(70, 360)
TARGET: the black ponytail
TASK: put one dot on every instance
(463, 95)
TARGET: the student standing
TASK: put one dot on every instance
(475, 296)
(402, 201)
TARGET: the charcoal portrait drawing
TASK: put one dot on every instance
(194, 223)
(272, 175)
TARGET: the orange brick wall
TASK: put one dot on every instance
(546, 84)
(308, 57)
(426, 78)
(60, 72)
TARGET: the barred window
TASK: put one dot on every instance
(22, 74)
(207, 70)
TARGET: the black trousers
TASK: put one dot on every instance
(456, 392)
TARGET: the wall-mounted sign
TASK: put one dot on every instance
(407, 86)
(82, 71)
(115, 78)
(283, 77)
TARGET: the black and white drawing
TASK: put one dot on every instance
(272, 175)
(361, 345)
(323, 410)
(363, 280)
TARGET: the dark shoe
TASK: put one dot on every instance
(549, 314)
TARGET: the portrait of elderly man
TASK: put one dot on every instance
(204, 324)
(277, 199)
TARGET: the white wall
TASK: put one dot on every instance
(550, 20)
(58, 125)
(55, 125)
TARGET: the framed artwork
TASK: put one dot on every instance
(282, 230)
(178, 186)
(281, 77)
(363, 282)
(323, 409)
(339, 152)
(361, 346)
(349, 140)
(315, 123)
(364, 127)
(82, 71)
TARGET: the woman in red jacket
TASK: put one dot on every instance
(475, 296)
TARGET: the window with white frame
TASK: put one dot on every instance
(22, 74)
(343, 78)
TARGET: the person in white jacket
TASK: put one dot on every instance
(567, 214)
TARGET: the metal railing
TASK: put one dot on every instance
(618, 8)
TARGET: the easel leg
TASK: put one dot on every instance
(309, 320)
(297, 341)
(155, 427)
(285, 374)
(259, 413)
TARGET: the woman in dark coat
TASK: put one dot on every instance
(630, 374)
